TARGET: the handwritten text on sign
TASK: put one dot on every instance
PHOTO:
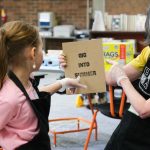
(84, 64)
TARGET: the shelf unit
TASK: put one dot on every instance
(55, 43)
(138, 36)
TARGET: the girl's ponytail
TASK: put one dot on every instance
(3, 56)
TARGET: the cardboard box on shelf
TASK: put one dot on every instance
(122, 52)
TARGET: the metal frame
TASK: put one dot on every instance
(92, 126)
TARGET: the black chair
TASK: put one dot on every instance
(116, 107)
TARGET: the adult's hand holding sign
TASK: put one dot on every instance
(85, 59)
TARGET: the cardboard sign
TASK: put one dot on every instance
(85, 59)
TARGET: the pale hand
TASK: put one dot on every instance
(117, 73)
(72, 84)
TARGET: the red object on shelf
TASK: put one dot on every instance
(122, 51)
(123, 54)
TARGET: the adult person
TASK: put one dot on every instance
(133, 132)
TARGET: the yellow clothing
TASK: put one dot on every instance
(140, 61)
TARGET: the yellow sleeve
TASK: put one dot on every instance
(140, 61)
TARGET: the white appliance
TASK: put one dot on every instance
(46, 19)
(63, 31)
(46, 22)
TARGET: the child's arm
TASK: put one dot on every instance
(6, 112)
(52, 88)
(63, 83)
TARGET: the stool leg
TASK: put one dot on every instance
(55, 139)
(78, 125)
(96, 130)
(90, 131)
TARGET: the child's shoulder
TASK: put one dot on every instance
(11, 93)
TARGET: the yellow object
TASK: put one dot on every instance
(122, 52)
(3, 14)
(79, 101)
(140, 61)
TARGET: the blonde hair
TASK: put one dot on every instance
(15, 36)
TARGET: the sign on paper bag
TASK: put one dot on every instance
(85, 59)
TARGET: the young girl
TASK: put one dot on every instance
(133, 132)
(24, 109)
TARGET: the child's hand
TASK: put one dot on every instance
(62, 60)
(72, 84)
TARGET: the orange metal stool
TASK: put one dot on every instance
(111, 109)
(112, 105)
(92, 126)
(93, 123)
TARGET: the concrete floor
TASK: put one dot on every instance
(64, 106)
